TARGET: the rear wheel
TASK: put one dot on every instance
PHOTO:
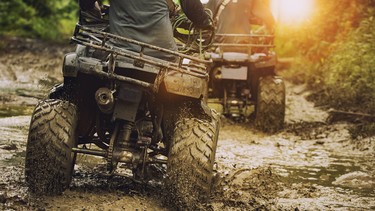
(49, 157)
(270, 104)
(191, 159)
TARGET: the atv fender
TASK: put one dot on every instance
(185, 85)
(70, 64)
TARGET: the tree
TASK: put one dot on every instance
(37, 18)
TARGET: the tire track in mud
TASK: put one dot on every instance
(305, 167)
(254, 171)
(310, 165)
(314, 165)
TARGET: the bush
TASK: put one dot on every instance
(334, 54)
(37, 18)
(349, 73)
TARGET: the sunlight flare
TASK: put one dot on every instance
(292, 11)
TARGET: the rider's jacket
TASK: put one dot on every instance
(236, 17)
(147, 21)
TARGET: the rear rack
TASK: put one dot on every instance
(255, 41)
(100, 40)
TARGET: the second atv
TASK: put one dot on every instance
(244, 85)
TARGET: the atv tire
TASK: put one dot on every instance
(49, 157)
(191, 160)
(270, 104)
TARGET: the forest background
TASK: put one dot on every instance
(333, 51)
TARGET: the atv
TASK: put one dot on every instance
(138, 111)
(243, 83)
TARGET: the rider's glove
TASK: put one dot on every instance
(206, 25)
(94, 12)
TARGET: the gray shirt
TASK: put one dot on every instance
(148, 21)
(237, 18)
(143, 20)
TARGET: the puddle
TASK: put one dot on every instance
(9, 111)
(12, 159)
(319, 171)
(308, 166)
(343, 172)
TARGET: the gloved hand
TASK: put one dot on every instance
(94, 13)
(206, 25)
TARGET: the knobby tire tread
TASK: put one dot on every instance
(270, 107)
(49, 158)
(191, 159)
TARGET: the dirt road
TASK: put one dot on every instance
(310, 165)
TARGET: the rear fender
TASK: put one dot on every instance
(70, 64)
(185, 85)
(267, 62)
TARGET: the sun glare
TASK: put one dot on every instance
(292, 11)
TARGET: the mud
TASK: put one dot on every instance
(310, 165)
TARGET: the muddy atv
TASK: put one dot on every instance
(140, 113)
(243, 83)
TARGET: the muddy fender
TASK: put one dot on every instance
(185, 85)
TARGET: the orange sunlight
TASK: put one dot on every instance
(292, 11)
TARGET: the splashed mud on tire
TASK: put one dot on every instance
(310, 165)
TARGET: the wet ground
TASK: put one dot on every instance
(310, 165)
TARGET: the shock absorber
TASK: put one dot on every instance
(119, 146)
(126, 149)
(124, 136)
(234, 103)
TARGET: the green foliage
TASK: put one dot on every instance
(37, 18)
(349, 73)
(334, 54)
(331, 22)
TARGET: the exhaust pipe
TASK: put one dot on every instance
(105, 100)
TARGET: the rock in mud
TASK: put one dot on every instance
(355, 179)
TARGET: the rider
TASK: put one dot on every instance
(148, 21)
(237, 16)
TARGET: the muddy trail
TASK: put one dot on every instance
(309, 165)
